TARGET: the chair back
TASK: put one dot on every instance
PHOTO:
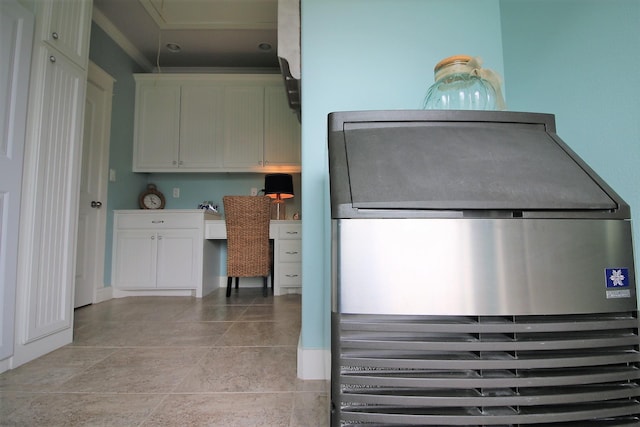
(247, 221)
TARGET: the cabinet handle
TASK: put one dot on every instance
(292, 232)
(52, 58)
(291, 252)
(54, 35)
(157, 221)
(159, 237)
(153, 237)
(291, 275)
(180, 162)
(174, 163)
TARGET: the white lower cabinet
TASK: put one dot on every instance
(158, 250)
(135, 259)
(288, 259)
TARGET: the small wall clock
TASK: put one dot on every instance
(151, 198)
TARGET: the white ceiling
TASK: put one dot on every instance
(212, 33)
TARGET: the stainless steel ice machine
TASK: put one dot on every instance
(482, 274)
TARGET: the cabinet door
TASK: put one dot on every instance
(244, 124)
(134, 259)
(281, 130)
(201, 127)
(66, 26)
(157, 128)
(178, 259)
(51, 186)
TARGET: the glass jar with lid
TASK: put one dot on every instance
(462, 84)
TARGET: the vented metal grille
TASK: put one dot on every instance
(566, 370)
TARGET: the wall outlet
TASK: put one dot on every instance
(176, 193)
(254, 191)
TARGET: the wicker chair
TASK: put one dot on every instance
(248, 252)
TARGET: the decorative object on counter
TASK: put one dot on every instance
(462, 84)
(248, 253)
(296, 216)
(151, 198)
(278, 186)
(208, 206)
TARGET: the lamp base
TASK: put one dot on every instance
(278, 209)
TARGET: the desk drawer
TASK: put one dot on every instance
(158, 220)
(290, 274)
(215, 230)
(290, 251)
(293, 231)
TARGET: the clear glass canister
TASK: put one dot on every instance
(462, 84)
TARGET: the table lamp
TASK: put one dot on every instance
(278, 186)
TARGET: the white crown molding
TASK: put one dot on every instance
(121, 40)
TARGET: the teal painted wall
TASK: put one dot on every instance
(572, 58)
(577, 59)
(123, 193)
(370, 55)
(198, 187)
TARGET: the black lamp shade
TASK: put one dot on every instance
(278, 186)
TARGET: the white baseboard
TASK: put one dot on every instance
(245, 282)
(314, 363)
(4, 365)
(103, 294)
(120, 293)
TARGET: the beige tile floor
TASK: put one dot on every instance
(171, 361)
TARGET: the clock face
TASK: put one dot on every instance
(152, 201)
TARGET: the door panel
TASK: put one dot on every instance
(93, 187)
(16, 35)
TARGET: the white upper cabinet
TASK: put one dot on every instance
(66, 25)
(244, 124)
(281, 130)
(201, 133)
(214, 123)
(157, 127)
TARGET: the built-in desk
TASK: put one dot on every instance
(181, 252)
(287, 243)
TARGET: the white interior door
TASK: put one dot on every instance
(93, 187)
(16, 35)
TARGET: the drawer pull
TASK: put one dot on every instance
(291, 275)
(292, 232)
(291, 252)
(158, 221)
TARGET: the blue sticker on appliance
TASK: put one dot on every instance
(617, 277)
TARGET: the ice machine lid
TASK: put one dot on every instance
(491, 163)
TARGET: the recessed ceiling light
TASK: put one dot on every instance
(264, 46)
(173, 47)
